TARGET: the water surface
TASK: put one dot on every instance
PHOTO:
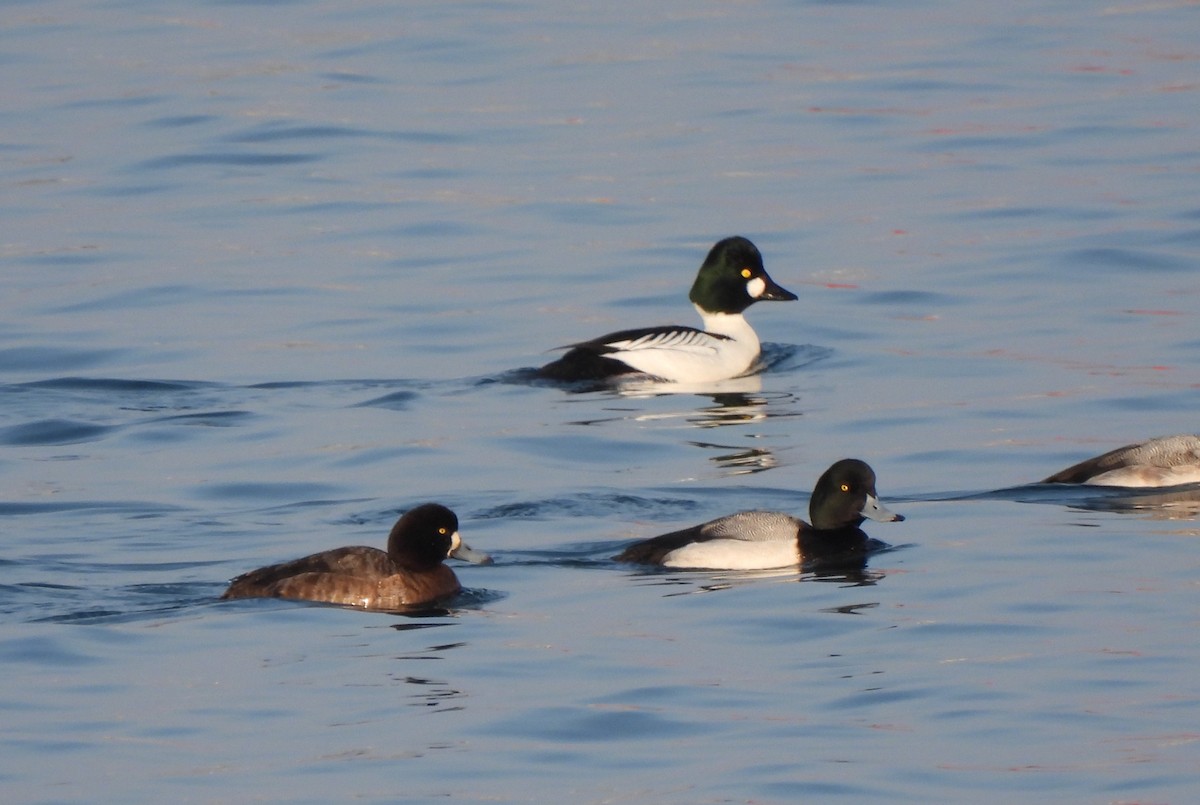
(268, 270)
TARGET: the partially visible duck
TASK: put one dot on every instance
(410, 572)
(1165, 461)
(757, 540)
(731, 279)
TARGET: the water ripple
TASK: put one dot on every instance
(225, 160)
(587, 504)
(53, 431)
(114, 384)
(1126, 260)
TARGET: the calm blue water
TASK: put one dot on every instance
(267, 267)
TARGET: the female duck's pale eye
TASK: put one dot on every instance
(845, 487)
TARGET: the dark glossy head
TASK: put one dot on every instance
(426, 535)
(732, 278)
(845, 495)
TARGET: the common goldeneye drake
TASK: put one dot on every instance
(731, 279)
(409, 572)
(759, 540)
(1165, 461)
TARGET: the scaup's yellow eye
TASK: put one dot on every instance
(747, 273)
(845, 487)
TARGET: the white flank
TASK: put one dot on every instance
(686, 356)
(735, 554)
(1146, 477)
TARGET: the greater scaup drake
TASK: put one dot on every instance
(758, 540)
(731, 279)
(1165, 461)
(409, 572)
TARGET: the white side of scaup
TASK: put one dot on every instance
(1145, 477)
(735, 554)
(1164, 461)
(747, 540)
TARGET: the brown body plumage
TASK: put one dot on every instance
(410, 572)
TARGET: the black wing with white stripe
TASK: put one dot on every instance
(591, 360)
(664, 337)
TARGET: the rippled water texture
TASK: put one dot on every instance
(269, 272)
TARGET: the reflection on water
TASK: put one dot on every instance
(736, 408)
(729, 409)
(1173, 503)
(435, 693)
(735, 402)
(428, 692)
(852, 609)
(845, 573)
(740, 462)
(639, 388)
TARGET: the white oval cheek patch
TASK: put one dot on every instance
(755, 287)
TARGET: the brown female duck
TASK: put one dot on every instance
(409, 572)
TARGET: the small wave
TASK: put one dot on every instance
(396, 401)
(261, 490)
(782, 358)
(590, 505)
(53, 431)
(137, 507)
(1125, 260)
(137, 602)
(225, 160)
(213, 419)
(112, 384)
(274, 132)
